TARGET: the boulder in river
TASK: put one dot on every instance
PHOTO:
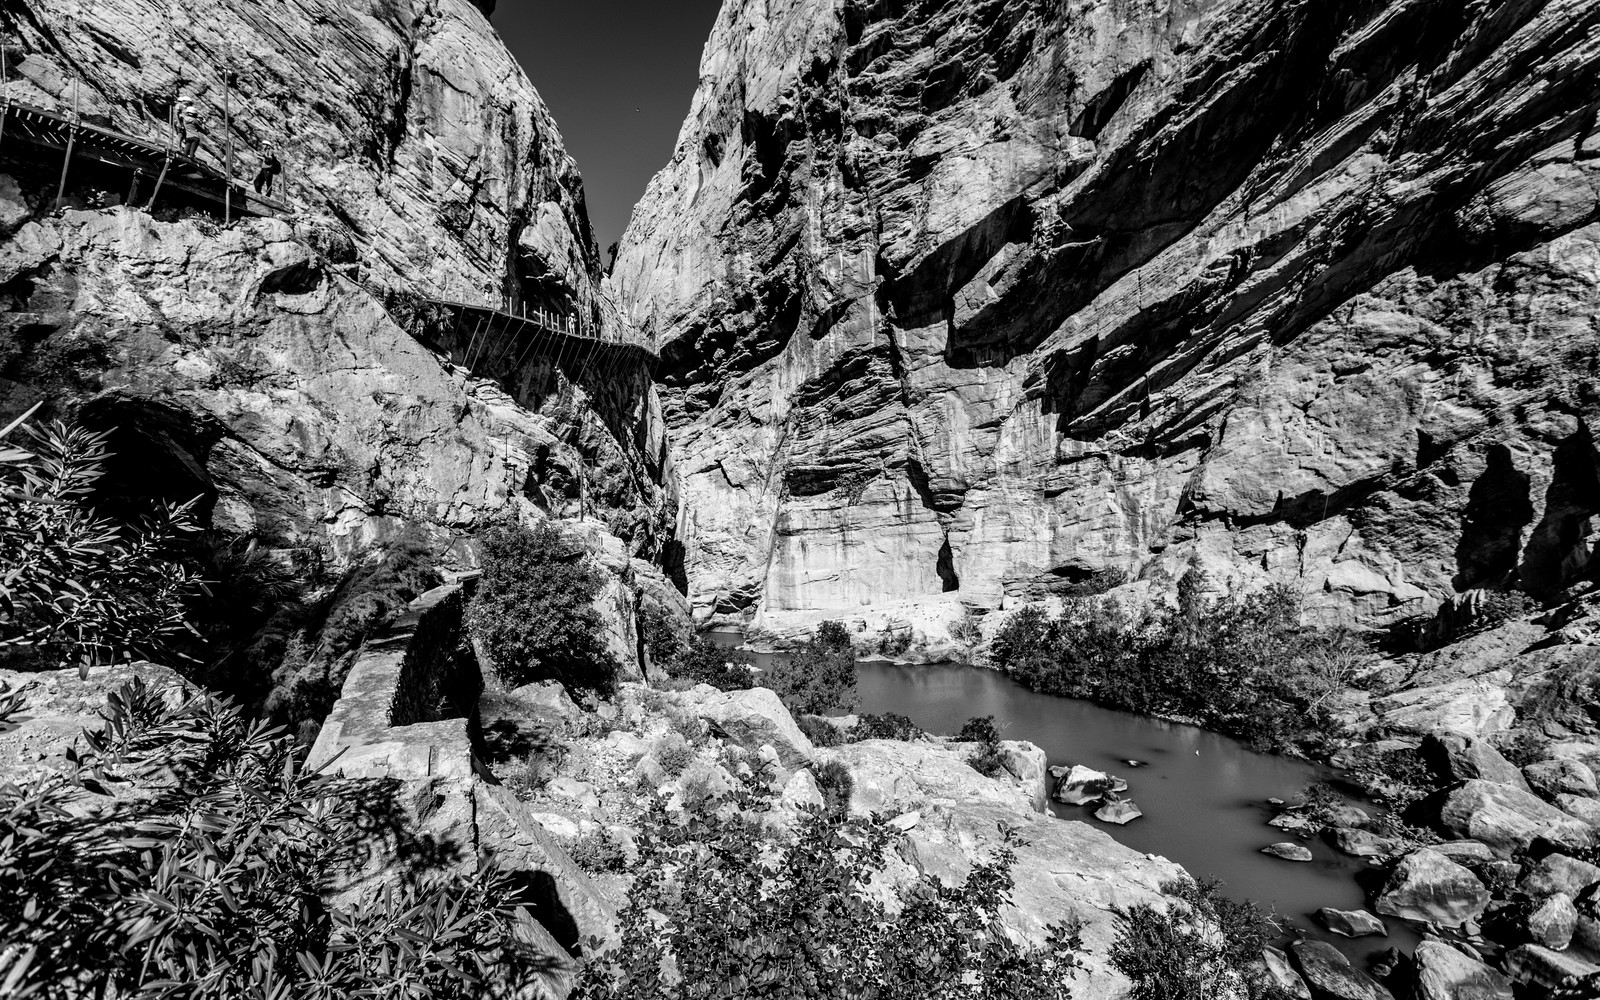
(1081, 785)
(1364, 843)
(1430, 888)
(1558, 873)
(1332, 977)
(1288, 851)
(1282, 974)
(1445, 972)
(1507, 819)
(1545, 967)
(1453, 757)
(1351, 923)
(1583, 808)
(1118, 810)
(1561, 776)
(1553, 921)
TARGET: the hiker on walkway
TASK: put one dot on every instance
(188, 128)
(268, 172)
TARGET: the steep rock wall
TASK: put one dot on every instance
(269, 367)
(995, 301)
(404, 126)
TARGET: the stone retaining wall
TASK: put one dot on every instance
(406, 706)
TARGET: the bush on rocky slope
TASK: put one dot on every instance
(533, 613)
(1202, 945)
(819, 677)
(186, 852)
(80, 588)
(719, 909)
(1242, 665)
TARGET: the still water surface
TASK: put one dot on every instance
(1203, 795)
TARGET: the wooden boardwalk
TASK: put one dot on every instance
(493, 341)
(486, 339)
(145, 162)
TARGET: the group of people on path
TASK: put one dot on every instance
(187, 121)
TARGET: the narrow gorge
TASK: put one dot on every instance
(399, 598)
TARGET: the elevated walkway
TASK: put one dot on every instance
(147, 164)
(494, 342)
(486, 340)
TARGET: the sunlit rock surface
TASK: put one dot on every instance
(1010, 299)
(271, 367)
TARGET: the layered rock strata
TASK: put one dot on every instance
(996, 301)
(270, 367)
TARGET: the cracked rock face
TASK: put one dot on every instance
(404, 126)
(1007, 300)
(234, 365)
(257, 365)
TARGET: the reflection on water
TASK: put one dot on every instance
(1204, 796)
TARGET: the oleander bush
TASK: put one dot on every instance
(533, 612)
(819, 677)
(1243, 665)
(719, 909)
(1202, 944)
(187, 852)
(78, 588)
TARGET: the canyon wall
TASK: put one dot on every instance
(269, 367)
(997, 301)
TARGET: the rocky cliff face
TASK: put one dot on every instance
(404, 126)
(268, 367)
(1003, 300)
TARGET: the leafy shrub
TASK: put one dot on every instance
(598, 852)
(702, 661)
(1024, 633)
(834, 782)
(892, 642)
(79, 588)
(202, 867)
(1239, 665)
(665, 636)
(719, 910)
(686, 724)
(821, 732)
(890, 726)
(989, 760)
(820, 676)
(1202, 945)
(534, 614)
(979, 729)
(674, 758)
(968, 628)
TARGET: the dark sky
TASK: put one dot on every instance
(594, 62)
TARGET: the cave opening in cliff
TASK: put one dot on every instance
(946, 568)
(156, 456)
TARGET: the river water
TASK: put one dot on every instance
(1203, 795)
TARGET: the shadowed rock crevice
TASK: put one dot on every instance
(1498, 508)
(1558, 552)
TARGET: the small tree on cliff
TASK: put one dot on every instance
(534, 614)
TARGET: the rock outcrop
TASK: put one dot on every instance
(1005, 300)
(405, 127)
(273, 368)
